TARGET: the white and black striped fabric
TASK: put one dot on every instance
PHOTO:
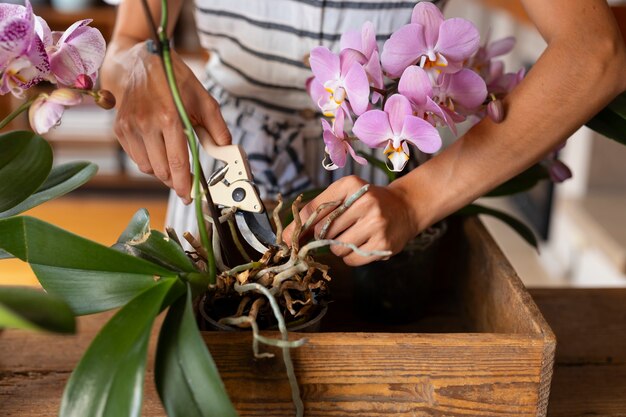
(257, 72)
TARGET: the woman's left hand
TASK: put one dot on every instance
(381, 219)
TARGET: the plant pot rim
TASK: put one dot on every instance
(300, 327)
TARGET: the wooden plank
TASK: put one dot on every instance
(386, 374)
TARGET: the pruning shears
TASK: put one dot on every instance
(232, 185)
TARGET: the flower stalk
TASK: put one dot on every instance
(23, 107)
(198, 189)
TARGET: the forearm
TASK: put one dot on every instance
(575, 77)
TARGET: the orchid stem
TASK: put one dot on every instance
(24, 106)
(164, 52)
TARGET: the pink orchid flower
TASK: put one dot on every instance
(482, 61)
(432, 42)
(460, 94)
(47, 110)
(337, 144)
(23, 59)
(415, 84)
(394, 128)
(343, 78)
(364, 41)
(79, 50)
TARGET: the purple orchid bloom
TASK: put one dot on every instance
(416, 85)
(23, 59)
(432, 42)
(394, 128)
(337, 144)
(482, 61)
(79, 50)
(460, 94)
(364, 41)
(47, 110)
(343, 78)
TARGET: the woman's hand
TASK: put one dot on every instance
(147, 124)
(381, 219)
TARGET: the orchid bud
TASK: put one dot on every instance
(105, 99)
(495, 110)
(559, 172)
(83, 82)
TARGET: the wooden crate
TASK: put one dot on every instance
(483, 349)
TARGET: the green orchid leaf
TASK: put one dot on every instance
(521, 182)
(611, 121)
(25, 162)
(138, 240)
(186, 377)
(32, 309)
(524, 231)
(5, 255)
(108, 380)
(62, 179)
(391, 176)
(90, 277)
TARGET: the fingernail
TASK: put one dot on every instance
(187, 201)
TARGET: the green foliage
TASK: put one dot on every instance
(187, 379)
(521, 182)
(88, 276)
(61, 180)
(138, 240)
(611, 121)
(108, 381)
(25, 162)
(31, 309)
(524, 231)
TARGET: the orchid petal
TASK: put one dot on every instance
(368, 39)
(74, 27)
(466, 88)
(44, 115)
(373, 128)
(16, 31)
(359, 159)
(403, 48)
(499, 47)
(324, 64)
(349, 57)
(398, 107)
(339, 123)
(430, 17)
(66, 64)
(374, 71)
(357, 88)
(458, 39)
(421, 134)
(43, 31)
(65, 97)
(351, 39)
(415, 84)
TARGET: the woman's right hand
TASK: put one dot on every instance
(147, 124)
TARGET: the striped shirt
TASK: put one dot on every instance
(260, 47)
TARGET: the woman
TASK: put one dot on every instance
(258, 79)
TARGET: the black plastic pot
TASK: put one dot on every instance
(397, 290)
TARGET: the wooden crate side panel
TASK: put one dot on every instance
(496, 299)
(387, 374)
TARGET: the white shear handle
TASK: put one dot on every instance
(235, 189)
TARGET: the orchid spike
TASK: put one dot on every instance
(47, 110)
(343, 78)
(432, 42)
(395, 128)
(337, 144)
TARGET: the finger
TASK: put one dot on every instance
(340, 223)
(136, 149)
(178, 160)
(354, 236)
(212, 120)
(155, 147)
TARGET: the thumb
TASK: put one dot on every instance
(213, 122)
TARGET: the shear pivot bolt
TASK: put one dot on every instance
(239, 194)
